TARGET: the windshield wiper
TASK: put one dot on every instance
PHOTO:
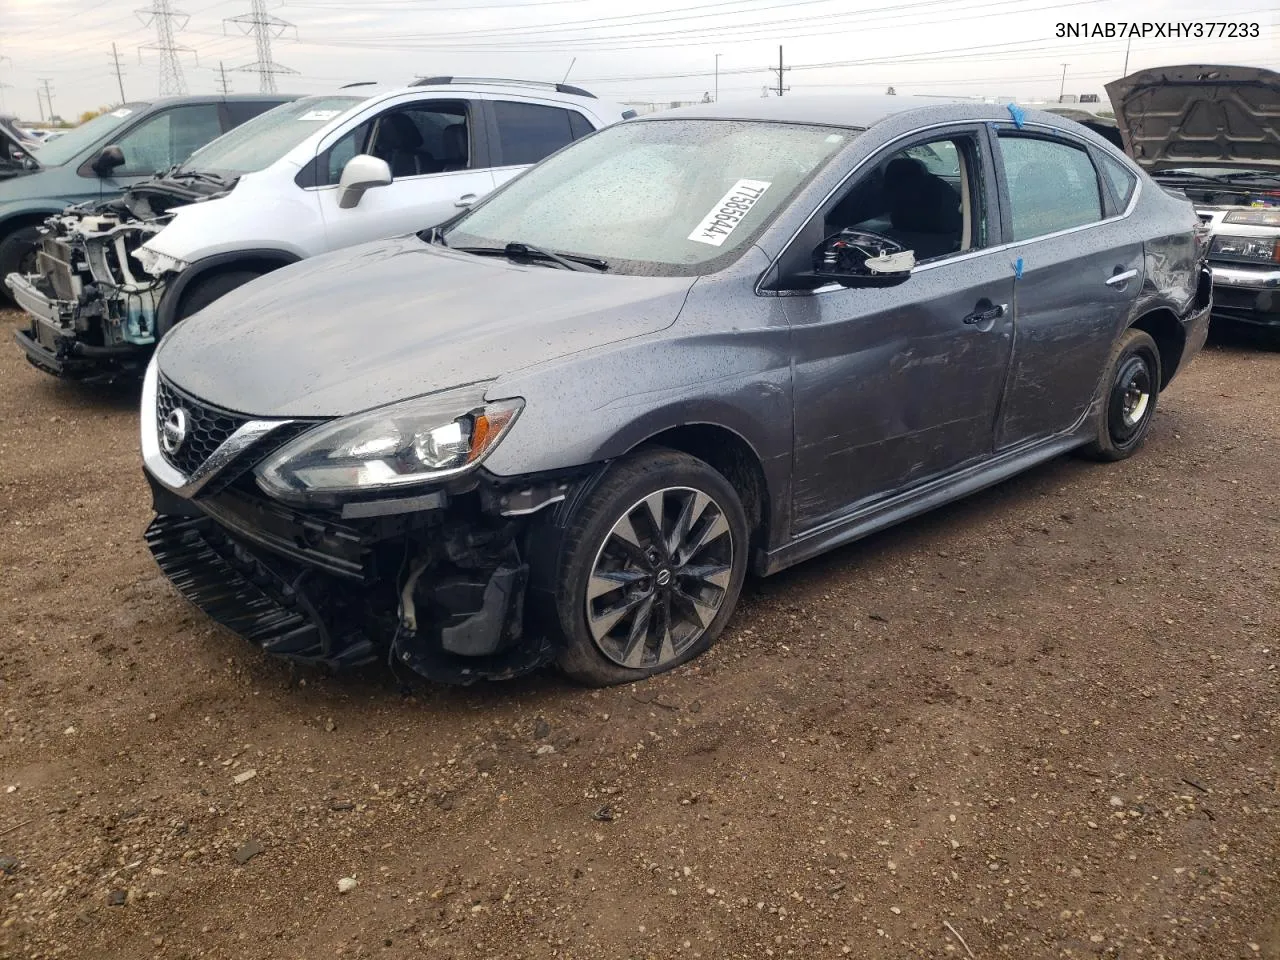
(523, 251)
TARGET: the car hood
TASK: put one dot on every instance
(1199, 116)
(397, 319)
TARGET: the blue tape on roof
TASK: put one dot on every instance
(1018, 116)
(1017, 269)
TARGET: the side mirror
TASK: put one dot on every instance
(110, 158)
(855, 259)
(361, 173)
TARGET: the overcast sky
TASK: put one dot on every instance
(657, 50)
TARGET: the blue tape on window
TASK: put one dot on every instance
(1017, 269)
(1018, 116)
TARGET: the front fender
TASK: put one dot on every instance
(167, 314)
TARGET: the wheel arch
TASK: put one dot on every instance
(27, 218)
(732, 455)
(263, 260)
(1170, 337)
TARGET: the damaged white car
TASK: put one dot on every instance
(1212, 133)
(308, 177)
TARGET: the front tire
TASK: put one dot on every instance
(205, 291)
(650, 570)
(18, 255)
(1133, 389)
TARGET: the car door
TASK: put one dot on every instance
(524, 132)
(895, 386)
(437, 153)
(161, 140)
(1082, 267)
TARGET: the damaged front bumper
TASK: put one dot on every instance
(439, 582)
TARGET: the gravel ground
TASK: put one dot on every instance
(1043, 720)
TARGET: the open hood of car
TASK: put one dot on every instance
(1199, 116)
(396, 319)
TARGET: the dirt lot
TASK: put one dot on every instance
(1044, 721)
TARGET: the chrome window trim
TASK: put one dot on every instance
(168, 475)
(967, 254)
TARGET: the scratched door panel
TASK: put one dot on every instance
(892, 386)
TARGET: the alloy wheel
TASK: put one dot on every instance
(660, 577)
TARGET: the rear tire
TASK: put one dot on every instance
(18, 255)
(206, 291)
(1133, 389)
(676, 581)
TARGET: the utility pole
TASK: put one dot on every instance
(1063, 89)
(264, 28)
(48, 98)
(167, 22)
(115, 56)
(780, 70)
(717, 78)
(40, 103)
(224, 85)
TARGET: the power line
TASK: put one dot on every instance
(265, 27)
(115, 57)
(167, 22)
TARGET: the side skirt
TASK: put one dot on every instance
(904, 506)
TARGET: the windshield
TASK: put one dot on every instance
(67, 147)
(260, 142)
(666, 197)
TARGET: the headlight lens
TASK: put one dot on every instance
(414, 442)
(1245, 248)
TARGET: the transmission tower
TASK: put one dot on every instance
(265, 27)
(167, 22)
(224, 85)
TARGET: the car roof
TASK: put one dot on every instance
(858, 111)
(216, 98)
(371, 92)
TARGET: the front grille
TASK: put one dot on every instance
(208, 427)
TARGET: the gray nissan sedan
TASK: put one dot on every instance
(565, 425)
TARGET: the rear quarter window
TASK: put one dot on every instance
(1123, 180)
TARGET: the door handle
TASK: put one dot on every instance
(466, 200)
(986, 316)
(1121, 278)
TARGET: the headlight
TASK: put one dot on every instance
(158, 264)
(1256, 218)
(414, 442)
(1245, 248)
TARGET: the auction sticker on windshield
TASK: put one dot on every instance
(732, 209)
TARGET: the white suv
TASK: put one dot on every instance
(308, 177)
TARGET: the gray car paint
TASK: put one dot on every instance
(819, 385)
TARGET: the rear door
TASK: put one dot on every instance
(1082, 268)
(438, 154)
(524, 132)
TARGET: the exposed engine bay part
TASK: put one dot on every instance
(95, 297)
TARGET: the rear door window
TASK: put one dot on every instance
(1052, 185)
(528, 132)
